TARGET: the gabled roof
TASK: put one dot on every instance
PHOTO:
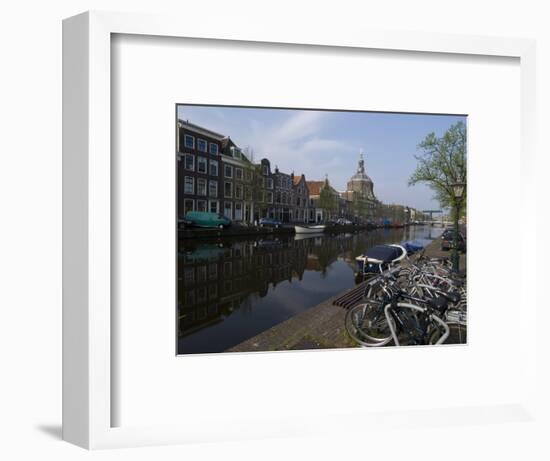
(315, 187)
(297, 178)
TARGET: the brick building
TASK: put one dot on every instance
(198, 168)
(238, 176)
(300, 198)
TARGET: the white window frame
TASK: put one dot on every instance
(230, 215)
(210, 184)
(236, 188)
(217, 165)
(237, 172)
(217, 202)
(185, 185)
(187, 200)
(241, 217)
(210, 148)
(204, 161)
(186, 156)
(205, 182)
(185, 138)
(230, 169)
(199, 140)
(205, 204)
(231, 192)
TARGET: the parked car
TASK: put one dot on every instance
(269, 222)
(184, 223)
(205, 219)
(344, 222)
(447, 239)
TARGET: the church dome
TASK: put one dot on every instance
(360, 181)
(360, 175)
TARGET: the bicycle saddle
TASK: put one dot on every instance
(453, 297)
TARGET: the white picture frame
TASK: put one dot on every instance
(87, 360)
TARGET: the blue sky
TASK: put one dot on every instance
(328, 142)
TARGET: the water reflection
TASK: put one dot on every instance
(232, 289)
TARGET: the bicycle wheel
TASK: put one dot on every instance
(367, 325)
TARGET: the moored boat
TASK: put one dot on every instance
(413, 246)
(380, 258)
(314, 229)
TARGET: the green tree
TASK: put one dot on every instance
(442, 163)
(327, 200)
(359, 205)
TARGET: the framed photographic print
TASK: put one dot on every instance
(255, 220)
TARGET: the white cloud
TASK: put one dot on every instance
(297, 144)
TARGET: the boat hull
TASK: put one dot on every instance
(309, 229)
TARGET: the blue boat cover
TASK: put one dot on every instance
(384, 253)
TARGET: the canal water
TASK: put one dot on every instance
(232, 289)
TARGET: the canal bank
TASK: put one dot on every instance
(320, 327)
(239, 230)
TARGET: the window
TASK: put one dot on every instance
(189, 162)
(247, 193)
(189, 185)
(278, 197)
(201, 273)
(214, 206)
(228, 171)
(239, 191)
(269, 183)
(202, 165)
(201, 189)
(213, 148)
(265, 170)
(247, 175)
(189, 141)
(213, 270)
(227, 210)
(238, 211)
(213, 168)
(201, 145)
(270, 197)
(201, 205)
(213, 188)
(188, 275)
(239, 174)
(188, 205)
(228, 189)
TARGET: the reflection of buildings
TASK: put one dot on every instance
(214, 280)
(221, 280)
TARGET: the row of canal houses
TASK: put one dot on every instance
(215, 175)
